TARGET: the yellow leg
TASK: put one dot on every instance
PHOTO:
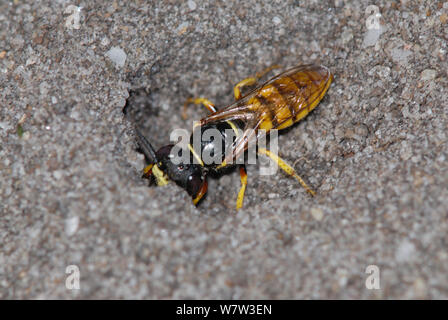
(240, 199)
(243, 83)
(250, 81)
(287, 168)
(147, 171)
(209, 105)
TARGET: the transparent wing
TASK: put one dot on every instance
(246, 114)
(299, 89)
(310, 83)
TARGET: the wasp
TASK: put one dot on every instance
(277, 104)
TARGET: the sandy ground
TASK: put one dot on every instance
(375, 149)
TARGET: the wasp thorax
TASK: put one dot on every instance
(212, 142)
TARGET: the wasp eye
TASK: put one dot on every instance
(181, 167)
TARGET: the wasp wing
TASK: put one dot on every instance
(247, 115)
(294, 93)
(297, 91)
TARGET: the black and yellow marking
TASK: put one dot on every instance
(287, 92)
(160, 176)
(269, 105)
(288, 99)
(147, 171)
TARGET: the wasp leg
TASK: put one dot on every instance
(201, 193)
(240, 199)
(147, 171)
(287, 168)
(209, 105)
(250, 81)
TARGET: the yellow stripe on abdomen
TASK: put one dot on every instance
(290, 98)
(275, 107)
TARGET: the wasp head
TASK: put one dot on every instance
(187, 175)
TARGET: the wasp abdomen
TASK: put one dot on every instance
(290, 97)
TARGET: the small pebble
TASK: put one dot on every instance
(105, 42)
(346, 36)
(71, 225)
(276, 20)
(192, 5)
(405, 251)
(117, 55)
(428, 75)
(317, 213)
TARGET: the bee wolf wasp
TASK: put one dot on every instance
(277, 104)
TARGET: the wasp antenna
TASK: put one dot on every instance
(146, 147)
